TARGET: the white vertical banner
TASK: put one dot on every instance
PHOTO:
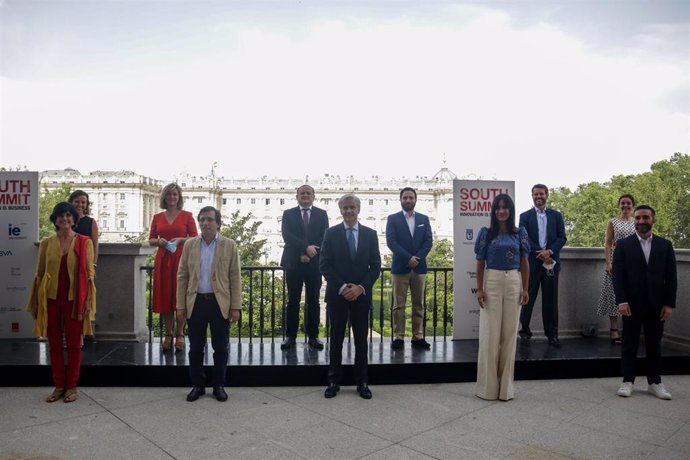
(19, 192)
(471, 211)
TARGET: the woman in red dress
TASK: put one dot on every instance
(169, 230)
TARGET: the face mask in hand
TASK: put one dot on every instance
(171, 246)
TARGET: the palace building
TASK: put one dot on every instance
(124, 202)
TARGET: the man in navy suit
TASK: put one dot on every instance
(351, 263)
(645, 283)
(303, 228)
(546, 233)
(409, 237)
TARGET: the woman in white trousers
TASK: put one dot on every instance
(502, 279)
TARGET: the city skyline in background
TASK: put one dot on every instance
(562, 93)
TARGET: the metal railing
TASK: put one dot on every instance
(264, 297)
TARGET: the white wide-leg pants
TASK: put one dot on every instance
(498, 326)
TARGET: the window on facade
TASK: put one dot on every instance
(122, 223)
(282, 201)
(268, 201)
(253, 201)
(199, 199)
(225, 201)
(104, 224)
(239, 201)
(122, 196)
(371, 202)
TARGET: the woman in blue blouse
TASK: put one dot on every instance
(502, 280)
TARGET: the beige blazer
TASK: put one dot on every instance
(225, 276)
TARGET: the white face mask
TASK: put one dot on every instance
(549, 267)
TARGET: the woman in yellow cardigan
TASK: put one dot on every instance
(64, 297)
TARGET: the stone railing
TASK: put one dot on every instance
(579, 287)
(121, 284)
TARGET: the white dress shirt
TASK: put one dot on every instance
(206, 267)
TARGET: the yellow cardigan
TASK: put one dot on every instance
(46, 281)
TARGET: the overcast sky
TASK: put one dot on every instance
(557, 92)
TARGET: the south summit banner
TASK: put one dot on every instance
(471, 211)
(19, 227)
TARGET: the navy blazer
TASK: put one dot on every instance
(293, 235)
(640, 284)
(404, 246)
(338, 268)
(555, 236)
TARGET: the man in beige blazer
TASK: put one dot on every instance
(209, 292)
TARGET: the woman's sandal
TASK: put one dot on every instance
(70, 395)
(55, 395)
(616, 340)
(166, 344)
(179, 343)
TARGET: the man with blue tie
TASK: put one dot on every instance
(351, 263)
(546, 232)
(409, 237)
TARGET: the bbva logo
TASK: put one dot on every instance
(4, 253)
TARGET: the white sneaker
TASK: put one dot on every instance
(625, 390)
(659, 390)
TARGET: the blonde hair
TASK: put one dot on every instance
(167, 189)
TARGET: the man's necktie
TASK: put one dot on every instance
(305, 221)
(351, 242)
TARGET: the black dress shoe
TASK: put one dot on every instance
(398, 344)
(288, 343)
(421, 344)
(332, 390)
(554, 342)
(315, 344)
(364, 391)
(195, 393)
(220, 394)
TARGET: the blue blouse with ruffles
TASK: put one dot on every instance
(504, 251)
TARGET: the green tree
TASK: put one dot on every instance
(262, 290)
(439, 288)
(666, 187)
(244, 232)
(46, 203)
(141, 238)
(441, 254)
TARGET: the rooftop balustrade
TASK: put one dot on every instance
(124, 280)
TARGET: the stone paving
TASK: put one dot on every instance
(559, 419)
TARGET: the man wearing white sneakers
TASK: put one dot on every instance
(645, 283)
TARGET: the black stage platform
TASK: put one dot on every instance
(26, 363)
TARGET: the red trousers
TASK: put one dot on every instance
(59, 316)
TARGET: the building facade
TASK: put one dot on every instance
(124, 202)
